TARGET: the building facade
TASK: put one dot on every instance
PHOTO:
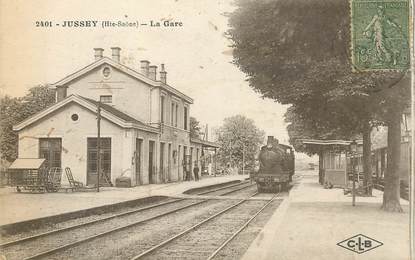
(144, 129)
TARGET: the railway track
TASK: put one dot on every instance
(237, 232)
(232, 189)
(57, 240)
(60, 230)
(172, 248)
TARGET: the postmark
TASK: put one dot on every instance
(380, 35)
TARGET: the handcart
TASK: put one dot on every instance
(29, 174)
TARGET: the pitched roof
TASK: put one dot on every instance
(108, 112)
(114, 111)
(26, 164)
(205, 143)
(133, 73)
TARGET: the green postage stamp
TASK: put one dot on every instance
(380, 34)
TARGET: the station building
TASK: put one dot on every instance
(145, 129)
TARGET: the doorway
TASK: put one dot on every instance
(169, 163)
(51, 150)
(178, 163)
(191, 164)
(151, 145)
(138, 155)
(92, 156)
(162, 170)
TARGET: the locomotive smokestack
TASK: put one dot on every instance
(270, 139)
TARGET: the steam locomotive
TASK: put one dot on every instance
(276, 166)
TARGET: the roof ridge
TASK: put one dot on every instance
(125, 69)
(120, 118)
(109, 108)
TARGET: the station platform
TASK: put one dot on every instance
(312, 220)
(17, 207)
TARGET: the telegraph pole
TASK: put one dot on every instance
(98, 143)
(353, 156)
(354, 184)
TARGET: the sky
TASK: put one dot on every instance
(197, 55)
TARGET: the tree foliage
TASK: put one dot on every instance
(16, 109)
(298, 51)
(194, 128)
(304, 127)
(238, 137)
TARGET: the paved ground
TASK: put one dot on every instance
(310, 223)
(16, 207)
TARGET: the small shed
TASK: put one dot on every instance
(335, 160)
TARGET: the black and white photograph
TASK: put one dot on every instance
(207, 129)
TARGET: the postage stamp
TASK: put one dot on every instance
(380, 34)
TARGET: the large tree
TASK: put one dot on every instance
(239, 140)
(297, 52)
(14, 110)
(194, 128)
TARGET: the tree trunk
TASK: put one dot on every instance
(391, 195)
(320, 167)
(367, 159)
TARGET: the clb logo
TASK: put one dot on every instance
(360, 244)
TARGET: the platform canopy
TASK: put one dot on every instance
(26, 164)
(329, 142)
(333, 145)
(204, 143)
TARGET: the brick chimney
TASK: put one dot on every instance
(152, 72)
(163, 74)
(116, 53)
(144, 67)
(98, 52)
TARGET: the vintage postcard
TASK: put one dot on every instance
(206, 129)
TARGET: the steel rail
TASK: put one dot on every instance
(241, 228)
(25, 239)
(69, 245)
(148, 251)
(86, 223)
(232, 191)
(221, 188)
